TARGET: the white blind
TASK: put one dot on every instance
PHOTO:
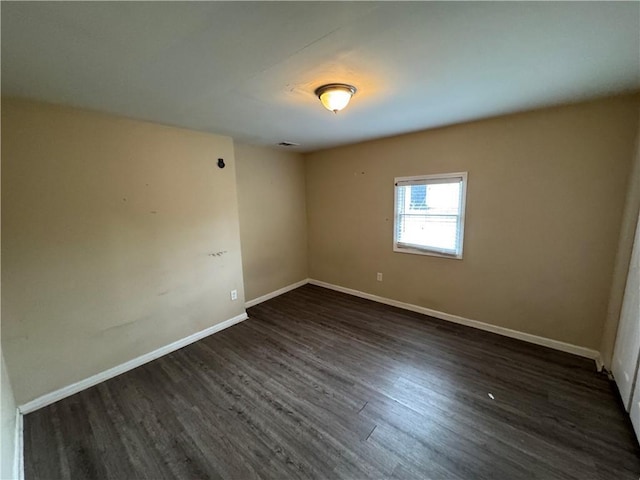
(428, 214)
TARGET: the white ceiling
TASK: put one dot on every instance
(249, 70)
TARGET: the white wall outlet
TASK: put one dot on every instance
(379, 277)
(234, 294)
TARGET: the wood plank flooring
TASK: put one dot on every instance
(318, 384)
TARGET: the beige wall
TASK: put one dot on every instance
(118, 237)
(545, 196)
(273, 218)
(623, 258)
(8, 431)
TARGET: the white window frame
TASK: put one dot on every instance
(424, 180)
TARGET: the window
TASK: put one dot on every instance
(429, 216)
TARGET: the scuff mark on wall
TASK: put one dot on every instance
(116, 326)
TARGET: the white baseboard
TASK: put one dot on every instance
(507, 332)
(18, 461)
(275, 293)
(599, 363)
(69, 390)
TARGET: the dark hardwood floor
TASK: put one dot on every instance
(318, 384)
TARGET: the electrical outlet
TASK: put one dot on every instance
(379, 276)
(234, 294)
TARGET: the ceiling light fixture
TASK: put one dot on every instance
(335, 96)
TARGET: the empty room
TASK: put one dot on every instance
(320, 240)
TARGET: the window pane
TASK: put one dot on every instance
(424, 230)
(428, 215)
(418, 197)
(443, 198)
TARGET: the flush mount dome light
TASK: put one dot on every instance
(335, 96)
